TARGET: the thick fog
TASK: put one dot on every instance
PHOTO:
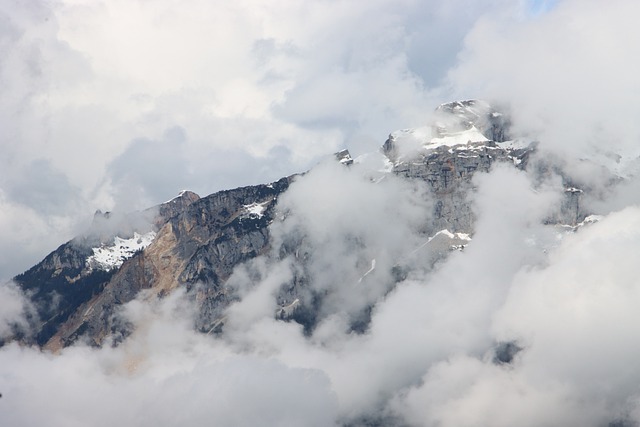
(297, 83)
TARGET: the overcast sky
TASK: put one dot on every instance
(119, 105)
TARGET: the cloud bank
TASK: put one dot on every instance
(295, 83)
(428, 355)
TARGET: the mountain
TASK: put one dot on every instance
(195, 243)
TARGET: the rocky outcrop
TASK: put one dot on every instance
(65, 281)
(448, 172)
(463, 115)
(58, 286)
(197, 248)
(446, 159)
(173, 207)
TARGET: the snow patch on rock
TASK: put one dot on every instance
(255, 210)
(108, 257)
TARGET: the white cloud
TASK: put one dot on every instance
(166, 374)
(427, 357)
(262, 90)
(28, 234)
(349, 224)
(569, 75)
(574, 318)
(465, 391)
(84, 82)
(577, 315)
(15, 310)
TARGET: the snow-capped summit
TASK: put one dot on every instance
(455, 124)
(184, 194)
(462, 116)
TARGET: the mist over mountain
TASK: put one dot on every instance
(456, 267)
(477, 267)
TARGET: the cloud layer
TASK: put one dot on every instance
(428, 356)
(121, 105)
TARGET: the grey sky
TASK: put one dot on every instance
(92, 91)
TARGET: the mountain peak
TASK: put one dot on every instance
(457, 123)
(184, 195)
(344, 157)
(460, 116)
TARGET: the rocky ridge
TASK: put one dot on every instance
(199, 241)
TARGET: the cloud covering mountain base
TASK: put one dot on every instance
(295, 83)
(428, 357)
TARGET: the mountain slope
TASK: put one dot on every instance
(195, 243)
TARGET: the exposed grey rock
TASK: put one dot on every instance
(344, 157)
(462, 115)
(449, 170)
(57, 286)
(197, 248)
(200, 241)
(505, 352)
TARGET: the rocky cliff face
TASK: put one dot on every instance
(67, 279)
(200, 242)
(449, 170)
(195, 243)
(463, 115)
